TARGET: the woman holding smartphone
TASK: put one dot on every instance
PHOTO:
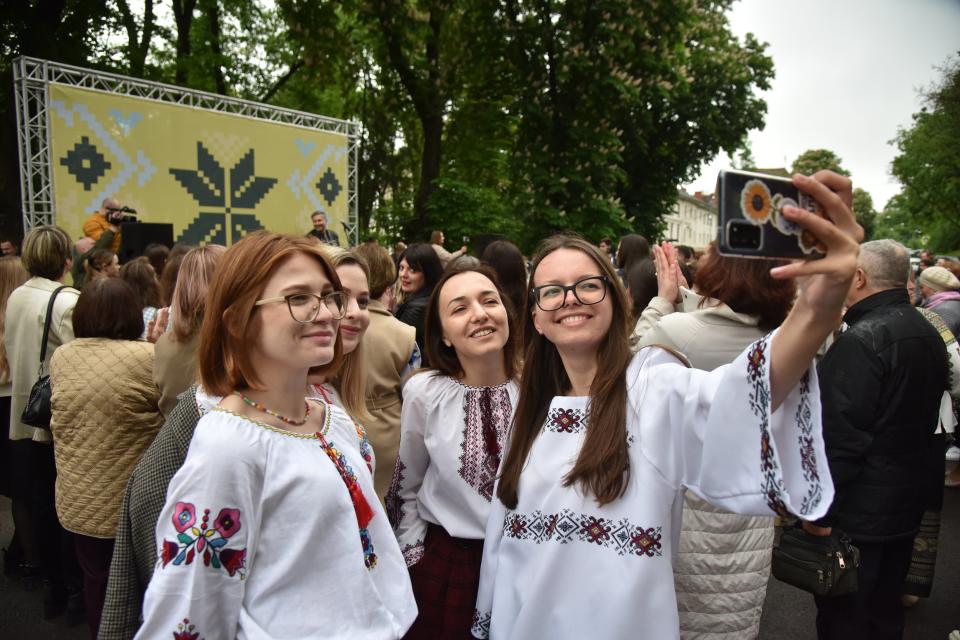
(581, 533)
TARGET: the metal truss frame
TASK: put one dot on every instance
(31, 77)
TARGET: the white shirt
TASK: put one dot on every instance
(296, 566)
(445, 469)
(560, 566)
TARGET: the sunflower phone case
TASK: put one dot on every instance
(751, 221)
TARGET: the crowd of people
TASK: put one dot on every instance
(287, 438)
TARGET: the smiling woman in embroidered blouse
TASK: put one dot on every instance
(580, 535)
(453, 423)
(271, 527)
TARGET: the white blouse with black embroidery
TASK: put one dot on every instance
(560, 566)
(450, 446)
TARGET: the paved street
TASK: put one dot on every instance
(788, 613)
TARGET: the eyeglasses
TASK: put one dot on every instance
(305, 307)
(589, 290)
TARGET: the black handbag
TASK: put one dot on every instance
(37, 412)
(822, 565)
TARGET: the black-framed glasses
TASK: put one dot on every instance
(589, 290)
(305, 307)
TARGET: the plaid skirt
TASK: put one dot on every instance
(445, 585)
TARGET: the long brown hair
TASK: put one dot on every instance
(444, 359)
(602, 468)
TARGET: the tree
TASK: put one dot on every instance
(864, 211)
(813, 160)
(138, 36)
(928, 163)
(616, 102)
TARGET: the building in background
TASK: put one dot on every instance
(692, 221)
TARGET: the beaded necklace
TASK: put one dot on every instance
(259, 407)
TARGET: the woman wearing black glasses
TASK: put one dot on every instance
(583, 523)
(271, 527)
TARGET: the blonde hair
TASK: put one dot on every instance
(12, 275)
(46, 251)
(350, 379)
(190, 292)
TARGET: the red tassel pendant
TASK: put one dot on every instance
(360, 505)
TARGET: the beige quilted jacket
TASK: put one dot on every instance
(105, 415)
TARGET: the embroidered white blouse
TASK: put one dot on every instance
(259, 539)
(560, 566)
(451, 437)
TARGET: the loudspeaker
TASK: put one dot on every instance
(135, 236)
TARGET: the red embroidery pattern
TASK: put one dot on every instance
(759, 399)
(808, 456)
(487, 413)
(209, 542)
(566, 420)
(185, 631)
(566, 526)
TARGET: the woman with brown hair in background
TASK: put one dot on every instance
(102, 263)
(105, 414)
(140, 275)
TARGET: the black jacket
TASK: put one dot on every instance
(413, 311)
(880, 386)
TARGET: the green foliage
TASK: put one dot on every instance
(461, 209)
(813, 160)
(928, 165)
(522, 118)
(864, 211)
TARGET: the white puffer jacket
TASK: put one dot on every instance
(721, 571)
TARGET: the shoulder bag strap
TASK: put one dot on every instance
(46, 326)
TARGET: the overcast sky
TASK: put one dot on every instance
(847, 75)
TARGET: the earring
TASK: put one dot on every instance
(447, 343)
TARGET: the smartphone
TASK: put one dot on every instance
(751, 222)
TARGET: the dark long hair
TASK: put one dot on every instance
(602, 467)
(421, 257)
(505, 258)
(633, 248)
(444, 359)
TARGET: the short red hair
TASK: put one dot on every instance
(746, 286)
(241, 275)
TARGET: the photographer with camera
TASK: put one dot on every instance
(107, 218)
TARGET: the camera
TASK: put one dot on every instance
(121, 214)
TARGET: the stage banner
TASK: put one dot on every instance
(214, 176)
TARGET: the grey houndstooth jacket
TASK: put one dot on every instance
(135, 550)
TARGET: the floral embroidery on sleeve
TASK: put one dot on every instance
(760, 403)
(209, 542)
(186, 631)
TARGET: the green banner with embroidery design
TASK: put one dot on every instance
(214, 176)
